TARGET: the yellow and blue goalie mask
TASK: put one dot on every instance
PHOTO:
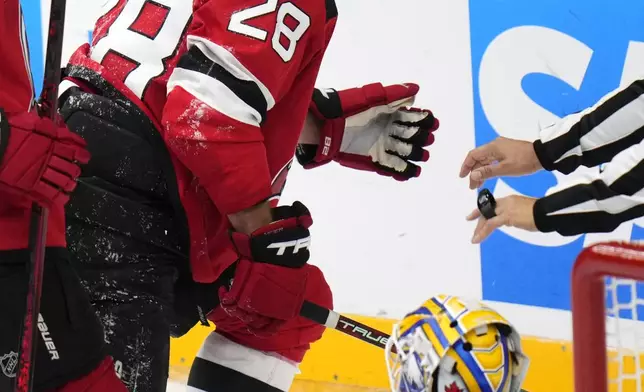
(453, 345)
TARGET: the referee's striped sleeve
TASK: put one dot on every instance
(601, 202)
(595, 135)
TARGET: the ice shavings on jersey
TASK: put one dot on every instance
(193, 116)
(196, 114)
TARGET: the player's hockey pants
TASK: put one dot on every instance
(122, 240)
(70, 338)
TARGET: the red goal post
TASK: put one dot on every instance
(623, 264)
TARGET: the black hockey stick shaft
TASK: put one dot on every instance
(39, 215)
(49, 95)
(353, 328)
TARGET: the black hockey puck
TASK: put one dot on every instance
(486, 204)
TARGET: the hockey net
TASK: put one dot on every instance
(608, 318)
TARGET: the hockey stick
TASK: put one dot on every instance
(353, 328)
(39, 215)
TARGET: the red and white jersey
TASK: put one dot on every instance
(228, 84)
(17, 95)
(16, 92)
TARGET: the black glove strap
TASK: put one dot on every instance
(486, 204)
(292, 211)
(4, 133)
(328, 103)
(305, 153)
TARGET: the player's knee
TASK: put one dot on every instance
(224, 365)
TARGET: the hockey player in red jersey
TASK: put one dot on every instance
(193, 112)
(39, 162)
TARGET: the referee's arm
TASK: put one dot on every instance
(601, 202)
(595, 135)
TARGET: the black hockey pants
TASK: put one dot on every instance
(123, 236)
(70, 339)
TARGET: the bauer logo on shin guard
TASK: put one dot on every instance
(46, 336)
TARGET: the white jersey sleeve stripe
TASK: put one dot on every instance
(215, 94)
(220, 55)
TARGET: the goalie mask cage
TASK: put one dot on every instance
(608, 318)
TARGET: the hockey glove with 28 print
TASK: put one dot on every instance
(371, 128)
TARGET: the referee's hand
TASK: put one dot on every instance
(501, 157)
(515, 211)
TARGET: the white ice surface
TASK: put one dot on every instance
(175, 387)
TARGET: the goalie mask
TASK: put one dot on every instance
(453, 345)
